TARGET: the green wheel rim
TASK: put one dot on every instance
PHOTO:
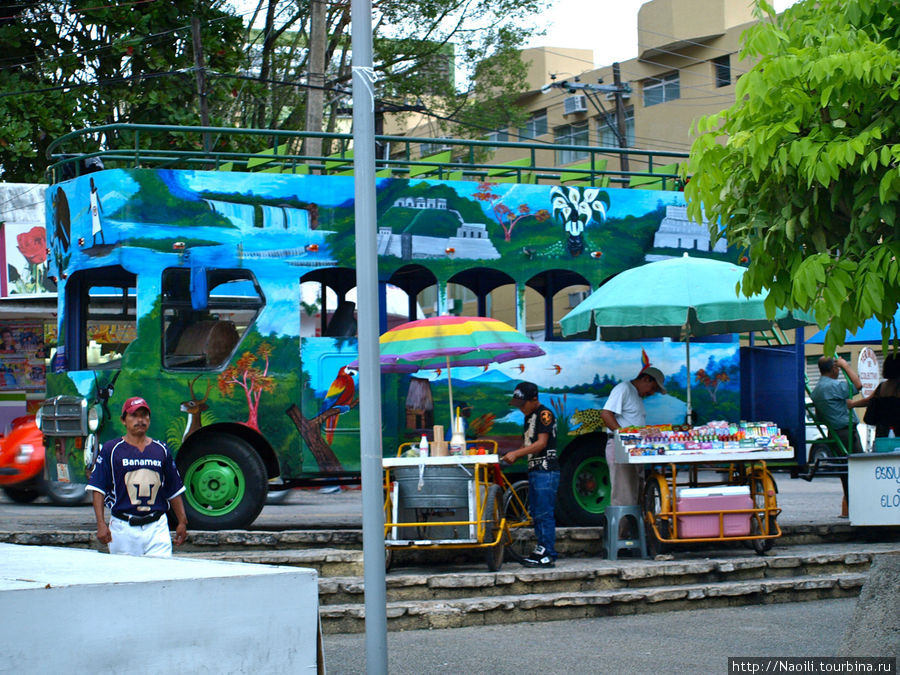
(215, 485)
(590, 485)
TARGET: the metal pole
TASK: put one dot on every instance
(369, 369)
(620, 116)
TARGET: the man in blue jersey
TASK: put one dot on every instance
(136, 477)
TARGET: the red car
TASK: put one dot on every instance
(22, 468)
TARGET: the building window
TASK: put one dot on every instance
(661, 89)
(499, 136)
(722, 68)
(571, 134)
(534, 127)
(609, 136)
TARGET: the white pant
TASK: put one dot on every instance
(152, 540)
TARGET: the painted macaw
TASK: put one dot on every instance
(340, 396)
(645, 360)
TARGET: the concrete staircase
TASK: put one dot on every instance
(442, 589)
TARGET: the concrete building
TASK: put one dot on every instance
(687, 66)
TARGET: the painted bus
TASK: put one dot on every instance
(224, 294)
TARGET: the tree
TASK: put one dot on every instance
(505, 216)
(807, 179)
(419, 51)
(68, 64)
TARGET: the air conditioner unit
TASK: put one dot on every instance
(574, 104)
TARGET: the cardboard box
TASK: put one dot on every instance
(706, 499)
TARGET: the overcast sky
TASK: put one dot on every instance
(609, 27)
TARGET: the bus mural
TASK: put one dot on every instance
(234, 298)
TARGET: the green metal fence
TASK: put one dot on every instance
(266, 150)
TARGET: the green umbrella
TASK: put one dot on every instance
(679, 298)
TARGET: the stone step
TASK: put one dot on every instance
(583, 575)
(330, 562)
(571, 541)
(480, 611)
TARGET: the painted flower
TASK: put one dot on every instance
(33, 245)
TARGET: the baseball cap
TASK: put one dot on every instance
(133, 404)
(524, 391)
(657, 376)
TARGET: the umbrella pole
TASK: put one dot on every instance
(687, 342)
(450, 388)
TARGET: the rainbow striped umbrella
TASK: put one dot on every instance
(447, 341)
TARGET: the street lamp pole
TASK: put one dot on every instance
(369, 367)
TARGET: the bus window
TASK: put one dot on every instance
(100, 317)
(205, 339)
(333, 289)
(549, 296)
(483, 291)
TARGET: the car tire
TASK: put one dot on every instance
(22, 495)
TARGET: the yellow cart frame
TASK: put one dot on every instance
(738, 468)
(491, 499)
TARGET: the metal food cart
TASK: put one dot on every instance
(679, 507)
(452, 502)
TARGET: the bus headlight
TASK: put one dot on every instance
(93, 419)
(37, 417)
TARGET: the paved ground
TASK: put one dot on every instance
(801, 502)
(696, 641)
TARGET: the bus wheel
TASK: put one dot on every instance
(225, 483)
(584, 485)
(64, 494)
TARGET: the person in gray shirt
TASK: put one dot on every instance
(831, 398)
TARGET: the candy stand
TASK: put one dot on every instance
(449, 502)
(681, 506)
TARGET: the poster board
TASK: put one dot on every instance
(23, 355)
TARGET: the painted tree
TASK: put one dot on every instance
(507, 218)
(252, 379)
(807, 178)
(711, 382)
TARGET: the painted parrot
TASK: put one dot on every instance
(340, 395)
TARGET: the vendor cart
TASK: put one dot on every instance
(739, 505)
(451, 502)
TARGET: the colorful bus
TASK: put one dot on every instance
(224, 295)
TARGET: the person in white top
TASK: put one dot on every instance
(625, 408)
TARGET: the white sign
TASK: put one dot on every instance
(867, 367)
(875, 488)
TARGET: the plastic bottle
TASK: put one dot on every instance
(423, 446)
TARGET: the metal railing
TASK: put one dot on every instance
(224, 148)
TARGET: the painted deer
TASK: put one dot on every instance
(194, 408)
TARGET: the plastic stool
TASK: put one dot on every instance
(615, 515)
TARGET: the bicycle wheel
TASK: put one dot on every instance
(656, 503)
(762, 492)
(520, 541)
(493, 514)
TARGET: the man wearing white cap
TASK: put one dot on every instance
(136, 477)
(625, 408)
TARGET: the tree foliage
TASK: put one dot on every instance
(803, 171)
(69, 64)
